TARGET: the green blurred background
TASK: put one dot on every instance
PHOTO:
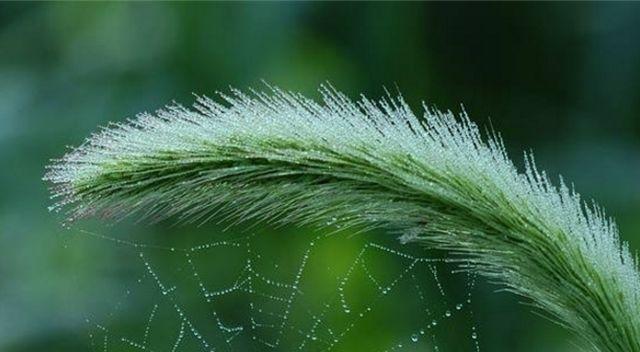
(561, 79)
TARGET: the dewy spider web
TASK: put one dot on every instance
(323, 293)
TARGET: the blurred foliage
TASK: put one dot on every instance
(561, 79)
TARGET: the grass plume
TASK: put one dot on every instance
(283, 158)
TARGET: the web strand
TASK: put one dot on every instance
(275, 308)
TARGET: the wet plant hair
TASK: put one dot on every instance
(433, 179)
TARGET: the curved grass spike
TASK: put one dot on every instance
(283, 158)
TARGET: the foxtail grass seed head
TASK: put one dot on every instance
(283, 158)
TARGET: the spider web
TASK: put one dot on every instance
(290, 292)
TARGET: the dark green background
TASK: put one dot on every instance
(561, 79)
